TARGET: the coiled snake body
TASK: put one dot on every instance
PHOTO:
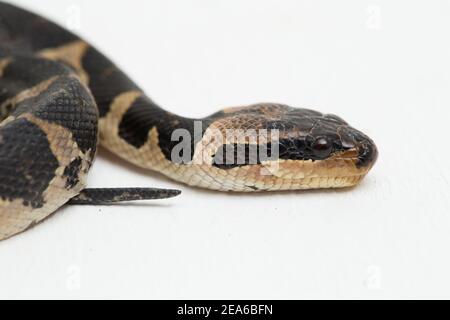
(58, 94)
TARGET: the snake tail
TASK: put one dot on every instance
(104, 196)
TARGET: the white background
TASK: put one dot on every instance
(384, 66)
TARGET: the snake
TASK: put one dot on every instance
(60, 98)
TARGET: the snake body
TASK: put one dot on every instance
(59, 95)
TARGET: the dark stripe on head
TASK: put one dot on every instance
(27, 164)
(230, 156)
(235, 155)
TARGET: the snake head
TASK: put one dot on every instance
(310, 135)
(308, 149)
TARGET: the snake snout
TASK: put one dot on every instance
(367, 154)
(366, 150)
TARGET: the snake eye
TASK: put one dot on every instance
(322, 147)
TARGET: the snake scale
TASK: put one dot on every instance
(59, 97)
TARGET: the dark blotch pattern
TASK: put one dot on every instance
(143, 115)
(65, 102)
(24, 73)
(27, 165)
(69, 105)
(23, 32)
(106, 81)
(72, 171)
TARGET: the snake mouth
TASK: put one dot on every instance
(341, 169)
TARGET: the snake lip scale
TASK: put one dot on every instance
(60, 97)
